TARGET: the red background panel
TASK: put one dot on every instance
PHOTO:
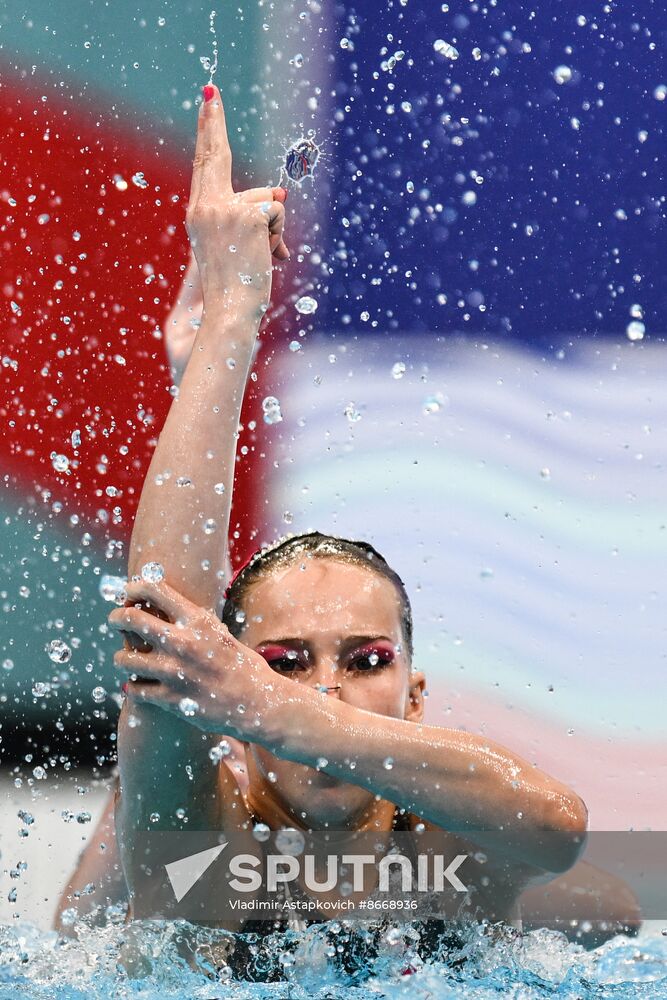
(83, 294)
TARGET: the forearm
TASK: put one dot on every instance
(164, 761)
(183, 516)
(455, 780)
(167, 779)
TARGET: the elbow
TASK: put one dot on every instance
(568, 827)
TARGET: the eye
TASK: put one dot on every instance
(368, 661)
(286, 664)
(283, 661)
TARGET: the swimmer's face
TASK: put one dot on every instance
(324, 623)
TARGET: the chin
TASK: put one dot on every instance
(330, 800)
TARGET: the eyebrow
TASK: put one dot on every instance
(352, 640)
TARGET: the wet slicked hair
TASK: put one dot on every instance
(315, 545)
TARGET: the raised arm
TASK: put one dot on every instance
(183, 517)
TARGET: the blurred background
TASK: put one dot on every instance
(476, 387)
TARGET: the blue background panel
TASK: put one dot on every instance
(566, 228)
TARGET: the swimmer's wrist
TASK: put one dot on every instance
(235, 313)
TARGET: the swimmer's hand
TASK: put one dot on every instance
(194, 667)
(233, 235)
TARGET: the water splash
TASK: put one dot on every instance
(214, 65)
(152, 959)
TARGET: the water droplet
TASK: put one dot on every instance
(184, 481)
(443, 48)
(294, 345)
(261, 832)
(306, 305)
(152, 572)
(76, 439)
(660, 92)
(321, 762)
(58, 651)
(43, 218)
(7, 664)
(219, 488)
(290, 841)
(432, 404)
(98, 694)
(40, 689)
(635, 330)
(154, 817)
(562, 74)
(83, 817)
(486, 573)
(139, 180)
(209, 526)
(388, 763)
(271, 408)
(60, 463)
(545, 473)
(220, 751)
(272, 776)
(111, 587)
(398, 370)
(352, 413)
(188, 706)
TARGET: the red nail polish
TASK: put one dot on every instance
(124, 687)
(208, 92)
(285, 192)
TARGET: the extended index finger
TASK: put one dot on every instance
(212, 167)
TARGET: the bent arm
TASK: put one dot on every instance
(164, 761)
(456, 780)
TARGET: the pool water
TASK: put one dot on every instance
(157, 960)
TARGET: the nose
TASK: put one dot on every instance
(326, 680)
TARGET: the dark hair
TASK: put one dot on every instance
(313, 544)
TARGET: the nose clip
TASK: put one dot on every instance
(323, 689)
